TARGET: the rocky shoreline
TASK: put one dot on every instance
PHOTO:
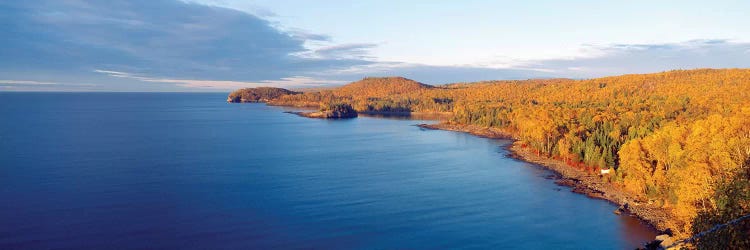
(325, 114)
(591, 185)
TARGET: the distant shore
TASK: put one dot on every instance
(591, 185)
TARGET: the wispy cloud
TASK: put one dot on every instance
(285, 82)
(643, 58)
(26, 82)
(31, 85)
(432, 74)
(42, 83)
(351, 50)
(308, 36)
(593, 61)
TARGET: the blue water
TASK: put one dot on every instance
(188, 171)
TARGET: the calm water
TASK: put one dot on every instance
(127, 170)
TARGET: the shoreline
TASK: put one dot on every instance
(322, 115)
(580, 181)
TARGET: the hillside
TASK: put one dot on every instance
(679, 140)
(373, 94)
(381, 87)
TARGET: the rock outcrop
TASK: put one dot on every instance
(331, 111)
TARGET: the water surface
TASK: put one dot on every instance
(188, 171)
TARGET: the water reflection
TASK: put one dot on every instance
(409, 116)
(635, 230)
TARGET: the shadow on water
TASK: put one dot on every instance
(635, 230)
(407, 116)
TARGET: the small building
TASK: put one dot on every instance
(604, 171)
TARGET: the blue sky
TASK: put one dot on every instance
(219, 45)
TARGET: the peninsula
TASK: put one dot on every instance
(260, 94)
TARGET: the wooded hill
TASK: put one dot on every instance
(260, 94)
(371, 94)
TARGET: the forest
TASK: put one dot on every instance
(260, 94)
(678, 139)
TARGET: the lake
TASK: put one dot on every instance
(189, 171)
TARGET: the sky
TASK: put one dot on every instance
(220, 45)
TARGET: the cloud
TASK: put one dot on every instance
(253, 9)
(40, 83)
(594, 61)
(173, 45)
(156, 38)
(285, 82)
(29, 85)
(351, 50)
(25, 82)
(644, 58)
(308, 36)
(432, 74)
